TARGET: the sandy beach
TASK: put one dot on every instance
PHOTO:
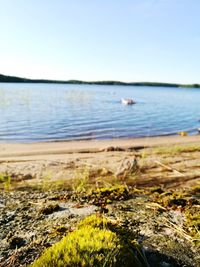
(62, 161)
(47, 150)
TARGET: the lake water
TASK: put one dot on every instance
(47, 112)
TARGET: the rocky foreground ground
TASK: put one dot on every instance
(152, 194)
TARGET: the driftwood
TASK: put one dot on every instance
(127, 167)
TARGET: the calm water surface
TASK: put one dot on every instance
(46, 112)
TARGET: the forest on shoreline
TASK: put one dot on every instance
(13, 79)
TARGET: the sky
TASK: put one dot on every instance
(124, 40)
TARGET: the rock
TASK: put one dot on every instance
(161, 231)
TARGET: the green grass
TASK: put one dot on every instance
(81, 181)
(173, 150)
(5, 179)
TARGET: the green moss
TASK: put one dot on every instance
(94, 221)
(192, 223)
(114, 191)
(195, 190)
(103, 196)
(92, 244)
(170, 199)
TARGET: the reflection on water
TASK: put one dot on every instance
(38, 112)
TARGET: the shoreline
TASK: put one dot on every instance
(15, 150)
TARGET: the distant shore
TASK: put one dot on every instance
(51, 149)
(13, 79)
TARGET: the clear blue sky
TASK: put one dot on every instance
(127, 40)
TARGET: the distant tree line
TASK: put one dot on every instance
(13, 79)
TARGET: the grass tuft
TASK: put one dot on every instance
(5, 179)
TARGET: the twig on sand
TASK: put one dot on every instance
(179, 230)
(12, 258)
(169, 168)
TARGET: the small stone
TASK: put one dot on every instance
(178, 202)
(28, 176)
(49, 209)
(16, 242)
(119, 149)
(109, 149)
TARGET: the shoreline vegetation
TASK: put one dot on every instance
(13, 79)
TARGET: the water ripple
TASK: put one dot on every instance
(42, 112)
